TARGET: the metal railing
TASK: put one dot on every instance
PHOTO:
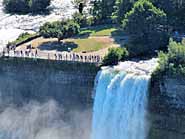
(58, 56)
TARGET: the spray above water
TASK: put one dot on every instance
(120, 105)
(43, 121)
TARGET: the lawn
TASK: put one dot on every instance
(90, 39)
(90, 44)
(77, 45)
(100, 31)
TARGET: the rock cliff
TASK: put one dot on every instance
(22, 80)
(167, 108)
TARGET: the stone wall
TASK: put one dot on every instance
(22, 80)
(167, 108)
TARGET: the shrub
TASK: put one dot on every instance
(173, 62)
(115, 55)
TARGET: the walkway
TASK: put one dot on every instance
(62, 56)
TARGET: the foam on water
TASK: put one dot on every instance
(120, 106)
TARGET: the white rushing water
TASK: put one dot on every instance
(11, 26)
(120, 106)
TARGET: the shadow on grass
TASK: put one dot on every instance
(58, 46)
(86, 32)
(119, 37)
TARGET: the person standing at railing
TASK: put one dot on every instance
(36, 53)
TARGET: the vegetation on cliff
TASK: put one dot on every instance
(172, 62)
(115, 55)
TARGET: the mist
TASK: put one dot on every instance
(48, 120)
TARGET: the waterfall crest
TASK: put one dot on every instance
(120, 105)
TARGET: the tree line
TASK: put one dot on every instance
(148, 23)
(115, 10)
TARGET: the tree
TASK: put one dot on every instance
(59, 29)
(146, 26)
(102, 9)
(121, 8)
(175, 10)
(115, 55)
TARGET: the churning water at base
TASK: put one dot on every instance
(120, 105)
(47, 120)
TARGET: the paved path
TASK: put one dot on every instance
(62, 56)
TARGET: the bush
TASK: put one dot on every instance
(115, 55)
(173, 62)
(59, 29)
(25, 6)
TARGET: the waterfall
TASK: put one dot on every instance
(120, 105)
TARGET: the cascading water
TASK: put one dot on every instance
(120, 105)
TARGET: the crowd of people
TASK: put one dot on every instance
(62, 56)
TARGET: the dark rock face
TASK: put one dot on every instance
(167, 108)
(25, 80)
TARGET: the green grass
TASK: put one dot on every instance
(89, 45)
(78, 45)
(99, 30)
(104, 32)
(23, 37)
(89, 39)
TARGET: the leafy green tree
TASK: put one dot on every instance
(146, 27)
(102, 10)
(59, 29)
(175, 10)
(121, 8)
(81, 19)
(115, 55)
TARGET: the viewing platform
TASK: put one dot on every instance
(57, 56)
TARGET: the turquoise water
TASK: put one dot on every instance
(120, 106)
